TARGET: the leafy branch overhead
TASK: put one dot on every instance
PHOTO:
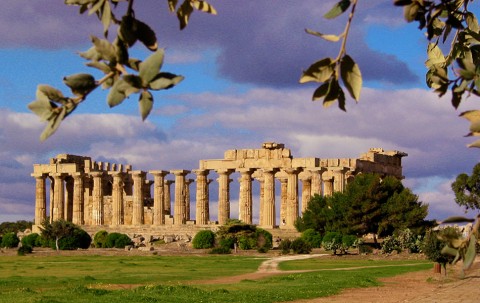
(122, 74)
(453, 54)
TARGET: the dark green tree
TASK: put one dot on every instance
(65, 235)
(467, 189)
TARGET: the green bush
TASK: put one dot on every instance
(312, 237)
(227, 243)
(285, 246)
(365, 249)
(221, 250)
(391, 244)
(300, 246)
(10, 240)
(432, 245)
(77, 239)
(204, 239)
(264, 238)
(117, 240)
(24, 249)
(99, 238)
(348, 241)
(332, 241)
(247, 243)
(32, 240)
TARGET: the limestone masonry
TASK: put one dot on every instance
(115, 197)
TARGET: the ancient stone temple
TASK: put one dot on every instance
(97, 195)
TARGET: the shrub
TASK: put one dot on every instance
(117, 240)
(221, 250)
(300, 246)
(204, 239)
(365, 248)
(32, 240)
(285, 246)
(391, 244)
(99, 238)
(348, 241)
(10, 240)
(77, 239)
(332, 241)
(264, 238)
(247, 243)
(432, 245)
(24, 249)
(312, 237)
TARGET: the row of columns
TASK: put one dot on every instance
(289, 206)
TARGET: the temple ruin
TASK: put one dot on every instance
(99, 195)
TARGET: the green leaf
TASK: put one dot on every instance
(121, 89)
(184, 12)
(351, 76)
(435, 56)
(134, 80)
(80, 84)
(320, 92)
(471, 252)
(203, 6)
(121, 51)
(100, 66)
(457, 219)
(338, 9)
(149, 68)
(96, 7)
(126, 30)
(91, 54)
(134, 64)
(79, 2)
(145, 104)
(172, 5)
(146, 35)
(472, 22)
(50, 93)
(54, 123)
(331, 38)
(164, 81)
(42, 108)
(320, 71)
(332, 93)
(410, 11)
(474, 144)
(105, 49)
(447, 250)
(106, 17)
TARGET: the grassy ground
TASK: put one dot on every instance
(163, 278)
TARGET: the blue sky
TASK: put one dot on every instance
(241, 89)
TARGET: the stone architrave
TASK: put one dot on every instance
(158, 196)
(283, 200)
(292, 197)
(40, 198)
(223, 195)
(245, 203)
(138, 197)
(306, 192)
(167, 203)
(316, 180)
(179, 202)
(187, 198)
(201, 204)
(58, 196)
(78, 198)
(97, 207)
(269, 197)
(117, 198)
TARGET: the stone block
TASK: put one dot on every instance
(230, 154)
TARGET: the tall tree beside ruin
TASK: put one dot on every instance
(467, 189)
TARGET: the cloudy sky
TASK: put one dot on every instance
(241, 89)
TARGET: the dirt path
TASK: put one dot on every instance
(420, 286)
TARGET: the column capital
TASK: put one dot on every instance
(38, 176)
(168, 182)
(248, 171)
(116, 173)
(138, 173)
(58, 175)
(292, 170)
(77, 175)
(316, 169)
(202, 172)
(161, 173)
(96, 173)
(189, 181)
(222, 171)
(180, 172)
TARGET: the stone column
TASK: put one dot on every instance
(223, 195)
(327, 185)
(68, 209)
(97, 207)
(283, 201)
(269, 198)
(58, 197)
(261, 199)
(168, 197)
(117, 198)
(202, 209)
(292, 197)
(52, 202)
(78, 199)
(179, 202)
(245, 198)
(187, 198)
(339, 179)
(138, 195)
(317, 180)
(40, 199)
(306, 192)
(158, 196)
